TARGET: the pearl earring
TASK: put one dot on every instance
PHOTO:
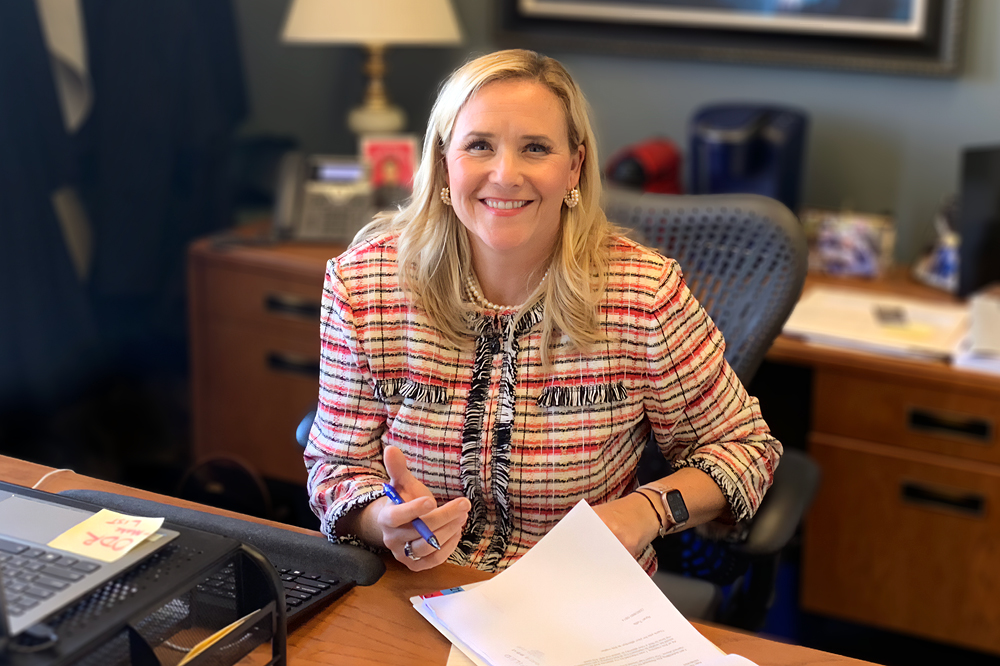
(572, 198)
(446, 196)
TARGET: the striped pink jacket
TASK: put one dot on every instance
(522, 443)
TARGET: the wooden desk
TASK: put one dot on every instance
(377, 626)
(254, 321)
(904, 533)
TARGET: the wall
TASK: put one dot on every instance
(877, 143)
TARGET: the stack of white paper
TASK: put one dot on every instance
(981, 348)
(879, 323)
(577, 598)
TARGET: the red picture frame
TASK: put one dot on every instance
(391, 160)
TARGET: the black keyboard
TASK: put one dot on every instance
(31, 574)
(304, 592)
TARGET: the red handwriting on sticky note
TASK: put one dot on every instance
(106, 536)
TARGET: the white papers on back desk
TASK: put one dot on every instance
(577, 598)
(879, 323)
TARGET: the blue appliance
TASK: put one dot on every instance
(749, 148)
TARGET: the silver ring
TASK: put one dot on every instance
(408, 549)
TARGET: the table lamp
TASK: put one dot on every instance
(375, 24)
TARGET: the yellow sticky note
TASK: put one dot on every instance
(106, 536)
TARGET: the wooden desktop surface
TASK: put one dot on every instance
(376, 625)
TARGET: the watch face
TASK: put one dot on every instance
(677, 507)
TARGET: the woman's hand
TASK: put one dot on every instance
(632, 519)
(395, 521)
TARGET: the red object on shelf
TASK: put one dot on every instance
(654, 165)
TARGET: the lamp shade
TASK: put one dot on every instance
(417, 22)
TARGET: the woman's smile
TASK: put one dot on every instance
(505, 206)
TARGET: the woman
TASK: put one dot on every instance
(498, 352)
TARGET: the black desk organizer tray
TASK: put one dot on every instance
(341, 565)
(156, 612)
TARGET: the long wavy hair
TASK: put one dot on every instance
(435, 253)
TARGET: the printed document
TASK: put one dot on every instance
(879, 323)
(577, 598)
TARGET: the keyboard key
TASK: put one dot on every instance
(292, 601)
(60, 572)
(39, 592)
(49, 557)
(301, 588)
(50, 582)
(15, 586)
(64, 561)
(11, 547)
(34, 552)
(306, 580)
(85, 567)
(297, 595)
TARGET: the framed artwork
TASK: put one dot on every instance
(920, 37)
(391, 160)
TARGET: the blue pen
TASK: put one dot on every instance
(418, 524)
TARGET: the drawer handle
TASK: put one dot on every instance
(292, 306)
(296, 365)
(967, 503)
(965, 427)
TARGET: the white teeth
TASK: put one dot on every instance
(505, 205)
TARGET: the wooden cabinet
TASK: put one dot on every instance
(254, 320)
(905, 530)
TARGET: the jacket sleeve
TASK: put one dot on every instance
(344, 453)
(701, 414)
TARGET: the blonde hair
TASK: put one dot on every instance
(434, 250)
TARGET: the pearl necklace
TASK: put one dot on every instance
(473, 290)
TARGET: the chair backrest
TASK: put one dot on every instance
(743, 256)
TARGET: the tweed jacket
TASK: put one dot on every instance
(525, 443)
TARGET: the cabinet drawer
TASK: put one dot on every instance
(256, 390)
(941, 420)
(905, 540)
(261, 298)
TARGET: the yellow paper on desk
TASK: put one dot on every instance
(106, 535)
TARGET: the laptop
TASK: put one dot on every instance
(39, 580)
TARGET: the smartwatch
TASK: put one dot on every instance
(674, 508)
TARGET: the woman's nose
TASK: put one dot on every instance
(507, 169)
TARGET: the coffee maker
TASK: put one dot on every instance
(748, 148)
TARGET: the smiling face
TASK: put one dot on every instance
(509, 165)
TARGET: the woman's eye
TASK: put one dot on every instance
(477, 146)
(537, 148)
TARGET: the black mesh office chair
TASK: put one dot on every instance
(744, 258)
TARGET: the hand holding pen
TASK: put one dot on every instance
(418, 524)
(412, 509)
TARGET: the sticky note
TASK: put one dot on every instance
(106, 536)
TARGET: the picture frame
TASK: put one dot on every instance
(920, 37)
(391, 160)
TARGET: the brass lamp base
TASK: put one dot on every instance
(377, 114)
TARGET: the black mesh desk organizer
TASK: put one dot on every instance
(218, 571)
(155, 613)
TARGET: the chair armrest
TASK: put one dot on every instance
(795, 483)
